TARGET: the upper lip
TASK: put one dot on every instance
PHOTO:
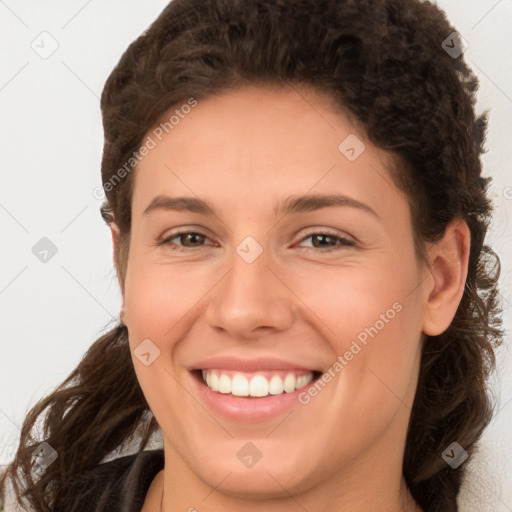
(248, 365)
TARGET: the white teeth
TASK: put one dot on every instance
(259, 386)
(239, 385)
(302, 381)
(275, 386)
(289, 383)
(214, 382)
(255, 385)
(224, 384)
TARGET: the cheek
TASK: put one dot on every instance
(371, 319)
(359, 301)
(159, 302)
(158, 297)
(162, 303)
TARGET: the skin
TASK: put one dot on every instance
(244, 151)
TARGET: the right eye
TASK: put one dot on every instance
(184, 237)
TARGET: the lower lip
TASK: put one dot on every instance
(245, 408)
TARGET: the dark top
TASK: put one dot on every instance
(119, 485)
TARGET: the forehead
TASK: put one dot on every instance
(257, 144)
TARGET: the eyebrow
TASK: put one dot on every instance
(293, 204)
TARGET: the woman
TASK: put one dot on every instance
(309, 311)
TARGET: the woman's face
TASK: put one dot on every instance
(301, 264)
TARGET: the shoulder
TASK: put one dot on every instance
(119, 485)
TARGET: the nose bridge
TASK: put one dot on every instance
(250, 296)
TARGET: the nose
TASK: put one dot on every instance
(251, 299)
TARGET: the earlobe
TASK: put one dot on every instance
(122, 313)
(114, 230)
(449, 267)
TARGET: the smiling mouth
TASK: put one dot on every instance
(256, 384)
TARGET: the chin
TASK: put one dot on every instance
(256, 484)
(265, 480)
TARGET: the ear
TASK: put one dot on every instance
(448, 260)
(114, 230)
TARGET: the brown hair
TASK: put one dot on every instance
(382, 61)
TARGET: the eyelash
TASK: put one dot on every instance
(344, 241)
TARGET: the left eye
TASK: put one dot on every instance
(322, 242)
(323, 237)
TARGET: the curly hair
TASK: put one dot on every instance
(383, 62)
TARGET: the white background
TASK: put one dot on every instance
(51, 143)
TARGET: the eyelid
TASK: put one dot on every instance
(326, 231)
(346, 240)
(165, 239)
